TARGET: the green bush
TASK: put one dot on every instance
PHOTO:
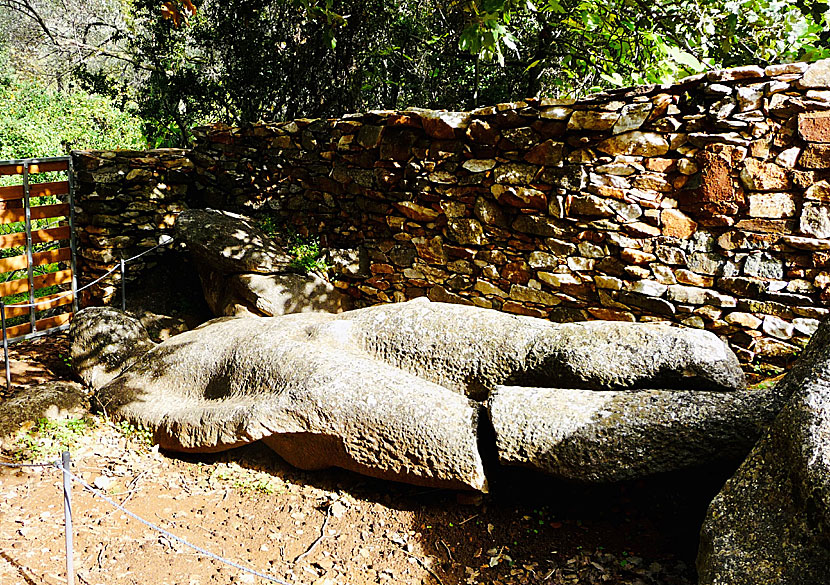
(307, 255)
(37, 121)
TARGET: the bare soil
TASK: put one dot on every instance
(332, 527)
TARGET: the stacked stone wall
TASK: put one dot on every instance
(705, 203)
(125, 201)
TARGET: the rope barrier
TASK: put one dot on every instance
(59, 465)
(19, 465)
(94, 282)
(168, 534)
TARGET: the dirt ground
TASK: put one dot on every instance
(332, 527)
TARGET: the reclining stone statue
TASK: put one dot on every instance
(400, 392)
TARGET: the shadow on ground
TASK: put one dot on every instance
(531, 528)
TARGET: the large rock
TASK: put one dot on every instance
(771, 521)
(229, 243)
(104, 342)
(593, 436)
(472, 350)
(244, 271)
(270, 295)
(381, 391)
(298, 383)
(52, 400)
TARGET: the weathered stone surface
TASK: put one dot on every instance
(466, 231)
(632, 117)
(612, 436)
(592, 120)
(479, 165)
(442, 124)
(229, 243)
(52, 400)
(547, 153)
(815, 220)
(649, 288)
(761, 176)
(774, 205)
(815, 156)
(271, 295)
(514, 173)
(649, 304)
(312, 397)
(817, 75)
(489, 213)
(706, 263)
(769, 523)
(431, 250)
(734, 73)
(746, 320)
(764, 266)
(381, 390)
(416, 212)
(716, 187)
(104, 342)
(777, 327)
(588, 205)
(635, 143)
(819, 191)
(677, 224)
(461, 347)
(522, 197)
(814, 127)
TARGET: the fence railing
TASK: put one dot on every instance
(121, 267)
(64, 464)
(38, 220)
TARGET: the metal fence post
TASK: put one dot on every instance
(67, 515)
(123, 286)
(6, 348)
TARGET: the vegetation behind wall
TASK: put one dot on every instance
(705, 203)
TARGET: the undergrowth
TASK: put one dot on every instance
(139, 435)
(246, 480)
(306, 254)
(45, 438)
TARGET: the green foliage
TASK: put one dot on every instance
(305, 252)
(238, 61)
(269, 225)
(307, 255)
(37, 121)
(139, 435)
(246, 480)
(47, 438)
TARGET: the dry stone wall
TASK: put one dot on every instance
(705, 203)
(125, 201)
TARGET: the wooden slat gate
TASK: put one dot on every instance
(37, 247)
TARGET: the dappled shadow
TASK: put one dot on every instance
(229, 243)
(532, 519)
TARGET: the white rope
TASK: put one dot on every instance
(93, 283)
(19, 465)
(161, 530)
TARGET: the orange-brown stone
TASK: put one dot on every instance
(546, 154)
(519, 309)
(677, 224)
(814, 127)
(815, 156)
(716, 186)
(611, 314)
(517, 272)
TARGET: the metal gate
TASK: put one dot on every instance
(37, 247)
